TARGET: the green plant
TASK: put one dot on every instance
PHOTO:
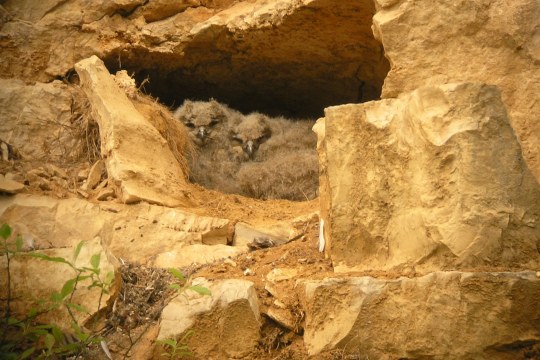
(183, 284)
(177, 348)
(23, 336)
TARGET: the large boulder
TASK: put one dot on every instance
(34, 280)
(432, 179)
(489, 41)
(443, 315)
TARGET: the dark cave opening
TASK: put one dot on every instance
(321, 55)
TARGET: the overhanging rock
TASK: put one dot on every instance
(138, 158)
(432, 179)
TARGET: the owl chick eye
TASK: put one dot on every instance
(190, 125)
(236, 138)
(263, 138)
(214, 122)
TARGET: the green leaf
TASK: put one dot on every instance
(27, 353)
(57, 333)
(94, 284)
(91, 270)
(36, 331)
(81, 336)
(109, 278)
(32, 312)
(95, 260)
(49, 258)
(12, 321)
(44, 326)
(68, 288)
(175, 286)
(56, 297)
(187, 336)
(69, 349)
(177, 274)
(78, 250)
(78, 307)
(49, 341)
(201, 290)
(18, 243)
(5, 231)
(169, 342)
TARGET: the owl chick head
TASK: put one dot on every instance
(201, 118)
(251, 132)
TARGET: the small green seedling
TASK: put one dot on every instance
(175, 349)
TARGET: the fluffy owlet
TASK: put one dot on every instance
(250, 132)
(205, 120)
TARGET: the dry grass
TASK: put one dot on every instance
(87, 130)
(170, 128)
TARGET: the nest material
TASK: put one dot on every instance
(170, 128)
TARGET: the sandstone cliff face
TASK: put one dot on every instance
(441, 174)
(294, 56)
(490, 41)
(36, 119)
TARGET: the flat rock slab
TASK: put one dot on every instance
(10, 186)
(138, 233)
(245, 234)
(196, 254)
(443, 315)
(136, 155)
(277, 233)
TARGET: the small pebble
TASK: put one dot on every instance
(229, 262)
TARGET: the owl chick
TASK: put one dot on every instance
(209, 124)
(251, 155)
(205, 120)
(250, 132)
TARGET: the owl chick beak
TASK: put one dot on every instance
(250, 148)
(202, 133)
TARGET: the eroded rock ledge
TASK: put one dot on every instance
(291, 57)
